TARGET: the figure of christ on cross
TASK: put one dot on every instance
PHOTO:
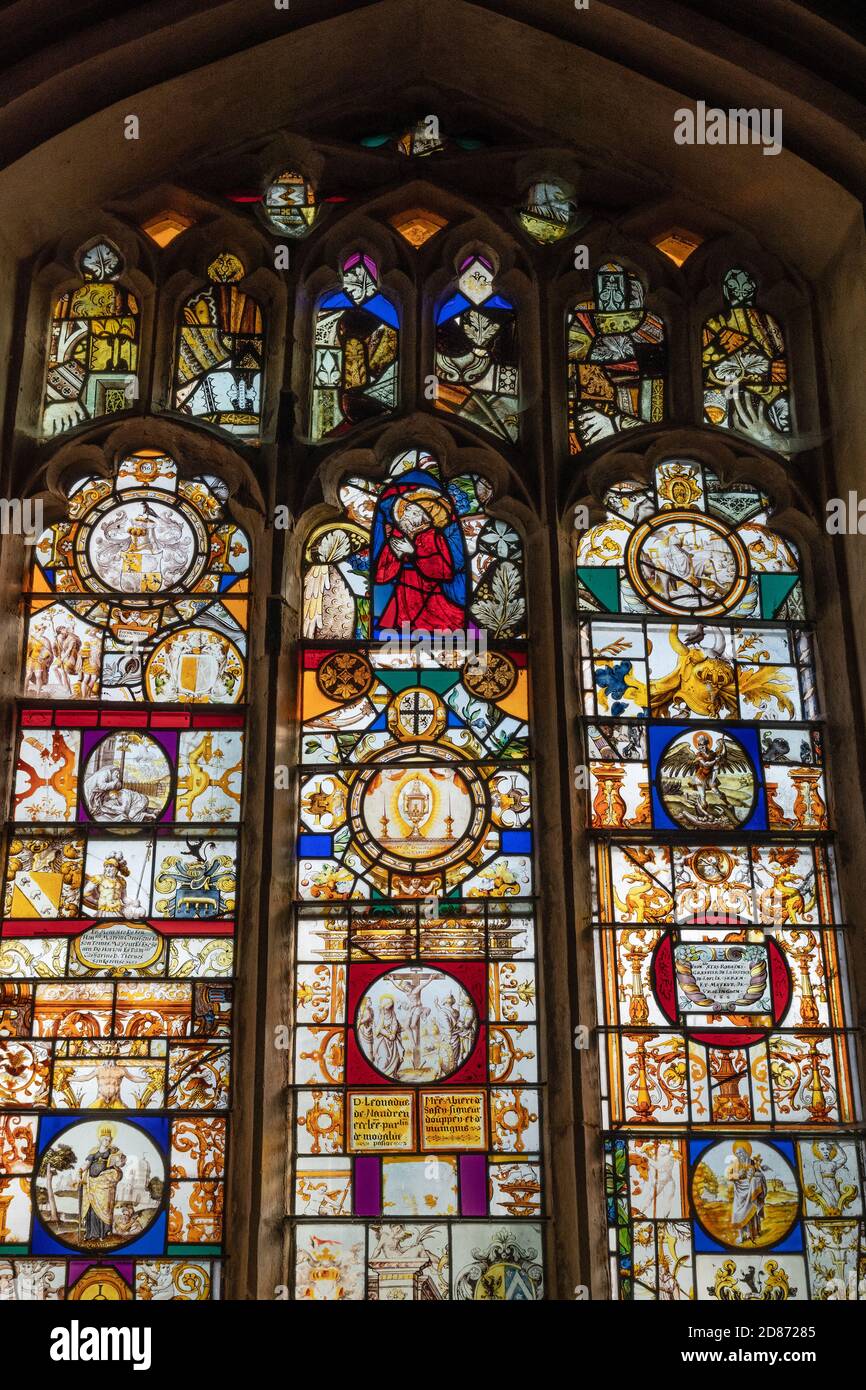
(412, 984)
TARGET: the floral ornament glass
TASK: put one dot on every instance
(418, 1097)
(727, 1073)
(119, 894)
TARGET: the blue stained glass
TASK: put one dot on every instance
(452, 307)
(315, 846)
(662, 744)
(516, 842)
(384, 308)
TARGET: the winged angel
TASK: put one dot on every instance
(335, 584)
(696, 766)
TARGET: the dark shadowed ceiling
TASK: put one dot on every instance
(62, 63)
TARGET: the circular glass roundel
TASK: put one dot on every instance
(144, 547)
(418, 816)
(416, 1024)
(100, 1182)
(418, 812)
(681, 563)
(344, 676)
(127, 777)
(492, 676)
(197, 666)
(745, 1193)
(706, 781)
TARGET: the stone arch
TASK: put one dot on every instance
(76, 106)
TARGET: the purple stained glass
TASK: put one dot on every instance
(473, 1184)
(368, 1186)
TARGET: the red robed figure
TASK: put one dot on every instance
(416, 557)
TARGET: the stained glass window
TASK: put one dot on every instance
(119, 893)
(727, 1073)
(141, 594)
(617, 360)
(417, 225)
(290, 204)
(356, 351)
(164, 227)
(477, 363)
(745, 366)
(549, 211)
(421, 140)
(219, 353)
(678, 244)
(418, 1108)
(93, 345)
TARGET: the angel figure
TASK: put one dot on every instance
(694, 768)
(335, 584)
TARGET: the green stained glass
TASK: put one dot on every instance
(120, 893)
(418, 1095)
(727, 1080)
